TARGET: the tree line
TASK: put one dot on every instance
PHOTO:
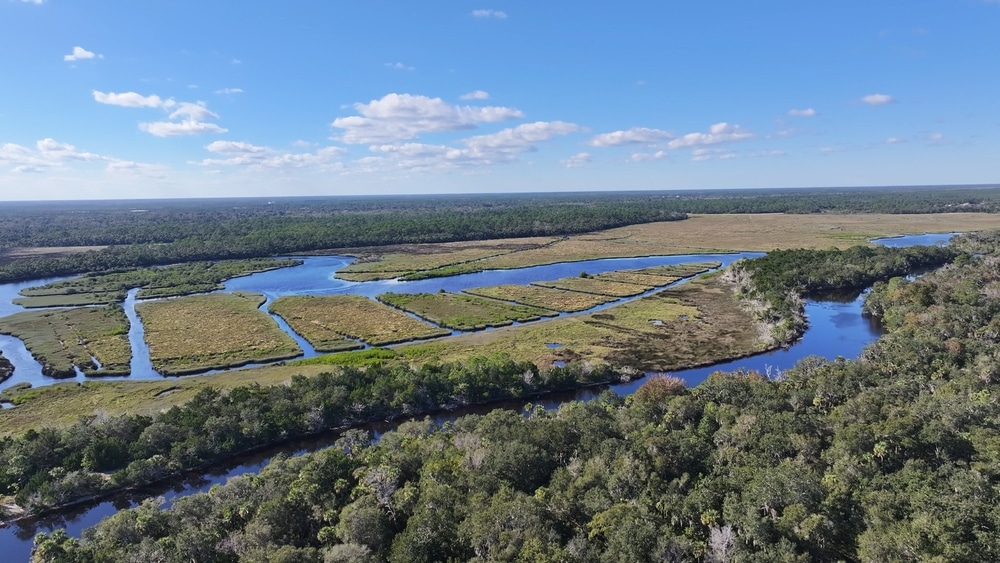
(145, 233)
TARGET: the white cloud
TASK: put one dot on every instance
(33, 1)
(718, 133)
(808, 112)
(193, 112)
(189, 117)
(132, 100)
(179, 128)
(479, 151)
(49, 153)
(79, 54)
(237, 153)
(398, 117)
(227, 91)
(475, 95)
(577, 160)
(487, 14)
(894, 140)
(645, 157)
(633, 136)
(399, 66)
(877, 99)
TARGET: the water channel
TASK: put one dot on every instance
(836, 329)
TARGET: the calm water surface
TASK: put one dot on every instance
(836, 329)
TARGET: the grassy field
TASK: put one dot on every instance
(63, 338)
(41, 300)
(463, 312)
(543, 297)
(595, 285)
(325, 321)
(391, 262)
(204, 332)
(170, 281)
(697, 235)
(693, 324)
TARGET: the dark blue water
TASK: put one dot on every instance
(836, 329)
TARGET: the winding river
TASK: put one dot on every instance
(836, 329)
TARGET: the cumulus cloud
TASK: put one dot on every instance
(718, 133)
(187, 118)
(132, 100)
(475, 95)
(633, 136)
(179, 128)
(227, 91)
(481, 150)
(49, 153)
(646, 157)
(808, 112)
(489, 14)
(80, 54)
(238, 153)
(399, 117)
(877, 99)
(192, 112)
(578, 160)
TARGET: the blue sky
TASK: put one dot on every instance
(115, 99)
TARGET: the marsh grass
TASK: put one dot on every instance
(204, 332)
(698, 323)
(596, 285)
(463, 312)
(169, 281)
(543, 297)
(63, 338)
(326, 320)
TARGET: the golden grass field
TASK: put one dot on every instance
(596, 286)
(399, 260)
(62, 338)
(326, 320)
(544, 297)
(699, 234)
(698, 323)
(463, 312)
(203, 332)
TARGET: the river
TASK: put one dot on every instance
(836, 329)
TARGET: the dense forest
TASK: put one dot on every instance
(145, 233)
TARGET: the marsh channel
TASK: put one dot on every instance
(837, 328)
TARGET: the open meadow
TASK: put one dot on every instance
(328, 321)
(204, 332)
(63, 338)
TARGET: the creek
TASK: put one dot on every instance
(837, 328)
